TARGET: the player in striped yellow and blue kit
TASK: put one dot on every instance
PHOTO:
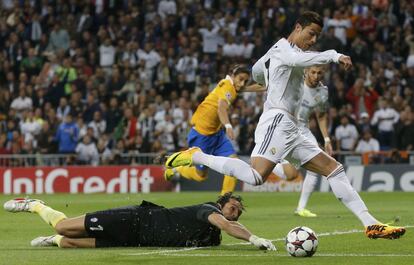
(211, 128)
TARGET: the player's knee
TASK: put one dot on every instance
(61, 228)
(259, 176)
(334, 168)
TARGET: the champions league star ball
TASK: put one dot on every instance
(301, 241)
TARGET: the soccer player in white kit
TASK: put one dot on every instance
(314, 100)
(277, 134)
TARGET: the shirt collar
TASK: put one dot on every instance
(229, 78)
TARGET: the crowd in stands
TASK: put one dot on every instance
(103, 78)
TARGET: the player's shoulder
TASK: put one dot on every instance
(323, 88)
(281, 45)
(224, 85)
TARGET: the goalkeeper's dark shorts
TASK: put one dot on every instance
(117, 227)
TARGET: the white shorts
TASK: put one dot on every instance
(278, 137)
(308, 134)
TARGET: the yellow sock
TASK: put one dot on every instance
(58, 239)
(190, 173)
(229, 184)
(49, 215)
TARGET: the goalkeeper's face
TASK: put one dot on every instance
(232, 210)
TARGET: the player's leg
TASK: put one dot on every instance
(67, 242)
(72, 227)
(270, 148)
(68, 230)
(224, 165)
(309, 182)
(199, 172)
(224, 147)
(285, 170)
(308, 187)
(190, 173)
(49, 215)
(63, 242)
(325, 165)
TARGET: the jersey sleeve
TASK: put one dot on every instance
(295, 58)
(258, 70)
(224, 91)
(205, 210)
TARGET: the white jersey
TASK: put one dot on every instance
(314, 99)
(281, 69)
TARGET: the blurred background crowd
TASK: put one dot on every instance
(102, 78)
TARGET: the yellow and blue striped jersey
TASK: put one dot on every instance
(205, 119)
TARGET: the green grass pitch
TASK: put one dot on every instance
(269, 215)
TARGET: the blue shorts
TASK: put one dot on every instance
(216, 144)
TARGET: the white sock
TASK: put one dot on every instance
(307, 188)
(279, 171)
(344, 191)
(229, 166)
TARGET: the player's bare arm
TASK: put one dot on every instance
(223, 115)
(322, 118)
(254, 88)
(237, 230)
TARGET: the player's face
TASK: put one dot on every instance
(240, 80)
(307, 36)
(314, 75)
(232, 210)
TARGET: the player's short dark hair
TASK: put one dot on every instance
(239, 69)
(225, 198)
(309, 17)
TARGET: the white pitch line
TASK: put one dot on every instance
(167, 251)
(286, 255)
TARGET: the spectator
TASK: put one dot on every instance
(167, 7)
(409, 39)
(31, 64)
(67, 74)
(113, 115)
(211, 38)
(340, 23)
(367, 143)
(45, 143)
(346, 135)
(59, 38)
(367, 24)
(67, 135)
(107, 55)
(364, 123)
(63, 109)
(29, 127)
(98, 125)
(104, 152)
(404, 131)
(165, 132)
(384, 119)
(187, 66)
(330, 41)
(87, 152)
(150, 57)
(22, 103)
(361, 98)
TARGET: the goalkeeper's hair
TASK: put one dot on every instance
(225, 198)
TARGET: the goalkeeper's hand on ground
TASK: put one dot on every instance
(262, 243)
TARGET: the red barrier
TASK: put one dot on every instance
(83, 179)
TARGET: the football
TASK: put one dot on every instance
(301, 241)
